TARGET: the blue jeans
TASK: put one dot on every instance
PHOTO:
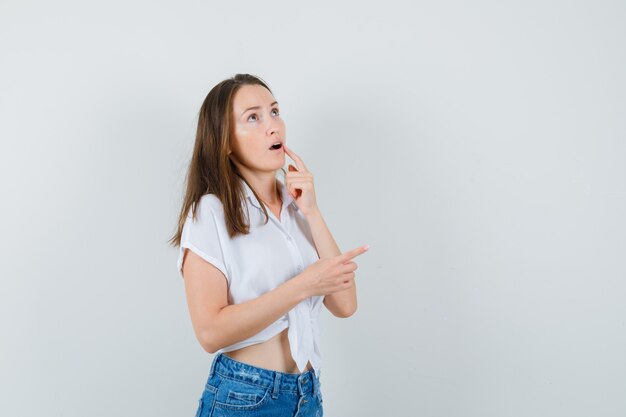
(239, 389)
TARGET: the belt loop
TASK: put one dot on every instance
(215, 358)
(275, 391)
(314, 382)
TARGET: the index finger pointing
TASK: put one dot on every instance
(346, 256)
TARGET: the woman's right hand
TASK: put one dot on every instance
(329, 275)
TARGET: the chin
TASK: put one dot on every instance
(275, 167)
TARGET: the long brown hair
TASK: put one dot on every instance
(210, 170)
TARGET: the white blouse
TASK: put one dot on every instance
(253, 264)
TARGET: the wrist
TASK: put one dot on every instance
(315, 212)
(299, 287)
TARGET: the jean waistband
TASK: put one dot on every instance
(306, 382)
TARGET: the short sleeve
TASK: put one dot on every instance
(203, 238)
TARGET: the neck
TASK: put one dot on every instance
(266, 187)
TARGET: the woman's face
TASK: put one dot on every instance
(256, 129)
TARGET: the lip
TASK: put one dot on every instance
(282, 145)
(281, 149)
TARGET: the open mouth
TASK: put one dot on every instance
(275, 146)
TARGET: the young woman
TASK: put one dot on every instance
(255, 284)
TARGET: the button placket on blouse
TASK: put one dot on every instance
(296, 256)
(301, 314)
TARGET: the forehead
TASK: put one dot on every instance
(252, 95)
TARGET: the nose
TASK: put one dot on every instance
(274, 127)
(273, 130)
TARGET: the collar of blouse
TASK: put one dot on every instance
(285, 196)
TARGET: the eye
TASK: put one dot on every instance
(277, 112)
(253, 114)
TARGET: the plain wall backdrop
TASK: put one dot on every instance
(478, 147)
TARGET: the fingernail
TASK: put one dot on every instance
(367, 247)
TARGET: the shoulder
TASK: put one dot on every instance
(209, 207)
(210, 204)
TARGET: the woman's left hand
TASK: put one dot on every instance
(299, 182)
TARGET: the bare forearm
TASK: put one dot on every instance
(341, 303)
(324, 241)
(237, 322)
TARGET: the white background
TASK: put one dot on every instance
(478, 147)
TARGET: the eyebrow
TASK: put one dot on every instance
(256, 107)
